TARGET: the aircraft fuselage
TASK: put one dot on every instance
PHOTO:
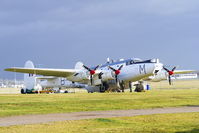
(131, 71)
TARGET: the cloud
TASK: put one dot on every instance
(90, 30)
(21, 16)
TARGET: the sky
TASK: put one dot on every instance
(58, 33)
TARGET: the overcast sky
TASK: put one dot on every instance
(58, 33)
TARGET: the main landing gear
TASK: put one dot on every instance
(139, 87)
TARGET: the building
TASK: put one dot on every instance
(185, 76)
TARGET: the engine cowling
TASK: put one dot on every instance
(107, 76)
(158, 77)
(80, 76)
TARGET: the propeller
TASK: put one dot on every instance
(117, 72)
(170, 72)
(92, 72)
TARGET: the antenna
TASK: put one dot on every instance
(108, 60)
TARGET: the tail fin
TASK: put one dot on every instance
(29, 79)
(79, 65)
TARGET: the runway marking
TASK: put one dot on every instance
(37, 119)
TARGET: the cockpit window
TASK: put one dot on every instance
(129, 62)
(141, 61)
(154, 60)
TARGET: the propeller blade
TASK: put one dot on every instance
(174, 69)
(91, 79)
(169, 73)
(76, 74)
(116, 78)
(87, 68)
(92, 72)
(120, 67)
(166, 69)
(112, 68)
(169, 80)
(97, 67)
(117, 72)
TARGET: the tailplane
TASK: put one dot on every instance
(29, 79)
(79, 65)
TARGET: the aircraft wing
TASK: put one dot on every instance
(44, 72)
(47, 77)
(183, 71)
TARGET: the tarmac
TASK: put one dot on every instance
(46, 118)
(10, 90)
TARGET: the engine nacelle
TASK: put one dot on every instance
(108, 76)
(159, 77)
(79, 76)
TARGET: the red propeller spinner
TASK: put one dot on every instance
(117, 72)
(170, 72)
(92, 72)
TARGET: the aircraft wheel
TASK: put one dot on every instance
(104, 87)
(139, 88)
(23, 91)
(130, 86)
(122, 86)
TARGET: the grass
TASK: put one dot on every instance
(161, 123)
(182, 93)
(59, 103)
(177, 84)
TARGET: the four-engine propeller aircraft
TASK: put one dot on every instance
(115, 75)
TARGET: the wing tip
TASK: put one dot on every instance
(9, 69)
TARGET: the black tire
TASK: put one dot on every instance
(23, 91)
(104, 87)
(139, 88)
